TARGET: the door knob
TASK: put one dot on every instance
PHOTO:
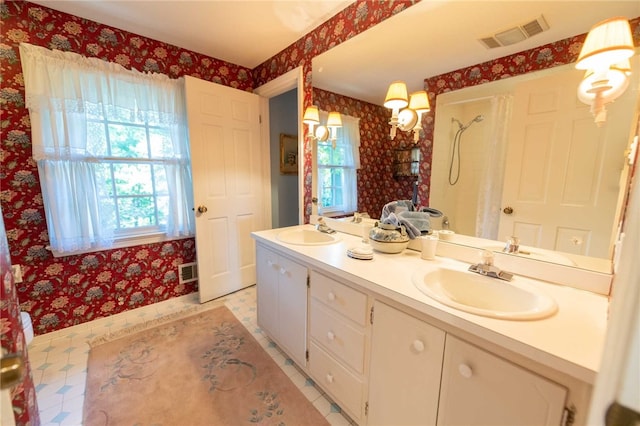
(507, 210)
(202, 209)
(11, 370)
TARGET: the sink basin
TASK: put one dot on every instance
(480, 295)
(532, 253)
(306, 237)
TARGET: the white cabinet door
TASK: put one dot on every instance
(479, 388)
(292, 304)
(282, 302)
(267, 290)
(406, 361)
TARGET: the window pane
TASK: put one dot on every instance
(136, 211)
(161, 146)
(128, 141)
(133, 179)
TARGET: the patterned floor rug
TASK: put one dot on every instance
(200, 369)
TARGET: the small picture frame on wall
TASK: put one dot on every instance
(288, 154)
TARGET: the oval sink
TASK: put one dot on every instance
(531, 253)
(306, 237)
(485, 296)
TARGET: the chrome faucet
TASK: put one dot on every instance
(512, 246)
(487, 268)
(323, 227)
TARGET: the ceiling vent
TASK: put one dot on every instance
(515, 34)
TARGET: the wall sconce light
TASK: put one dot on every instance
(396, 98)
(333, 122)
(410, 118)
(312, 119)
(605, 58)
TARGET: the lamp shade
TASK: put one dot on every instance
(396, 96)
(608, 85)
(608, 42)
(334, 119)
(311, 115)
(419, 101)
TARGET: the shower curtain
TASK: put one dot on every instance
(490, 187)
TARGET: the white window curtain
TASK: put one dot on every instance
(349, 140)
(61, 88)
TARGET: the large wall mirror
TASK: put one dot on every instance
(534, 164)
(597, 167)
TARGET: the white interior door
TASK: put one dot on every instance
(565, 186)
(226, 160)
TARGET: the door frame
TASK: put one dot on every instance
(290, 80)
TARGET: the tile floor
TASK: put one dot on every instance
(59, 359)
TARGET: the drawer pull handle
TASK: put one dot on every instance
(331, 296)
(418, 345)
(283, 271)
(329, 378)
(272, 264)
(330, 335)
(465, 371)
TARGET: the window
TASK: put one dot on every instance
(130, 172)
(337, 165)
(112, 151)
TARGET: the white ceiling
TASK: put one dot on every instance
(429, 38)
(243, 32)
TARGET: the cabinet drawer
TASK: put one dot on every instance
(336, 380)
(345, 300)
(335, 335)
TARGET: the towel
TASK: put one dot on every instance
(396, 207)
(402, 212)
(393, 219)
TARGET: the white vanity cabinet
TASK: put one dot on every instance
(339, 334)
(282, 301)
(420, 374)
(400, 364)
(479, 388)
(406, 362)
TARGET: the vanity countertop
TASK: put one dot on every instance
(570, 341)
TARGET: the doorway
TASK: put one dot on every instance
(290, 81)
(284, 183)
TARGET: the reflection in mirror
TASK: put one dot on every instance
(536, 167)
(337, 73)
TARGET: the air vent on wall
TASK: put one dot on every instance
(187, 272)
(516, 34)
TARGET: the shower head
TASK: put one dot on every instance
(462, 128)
